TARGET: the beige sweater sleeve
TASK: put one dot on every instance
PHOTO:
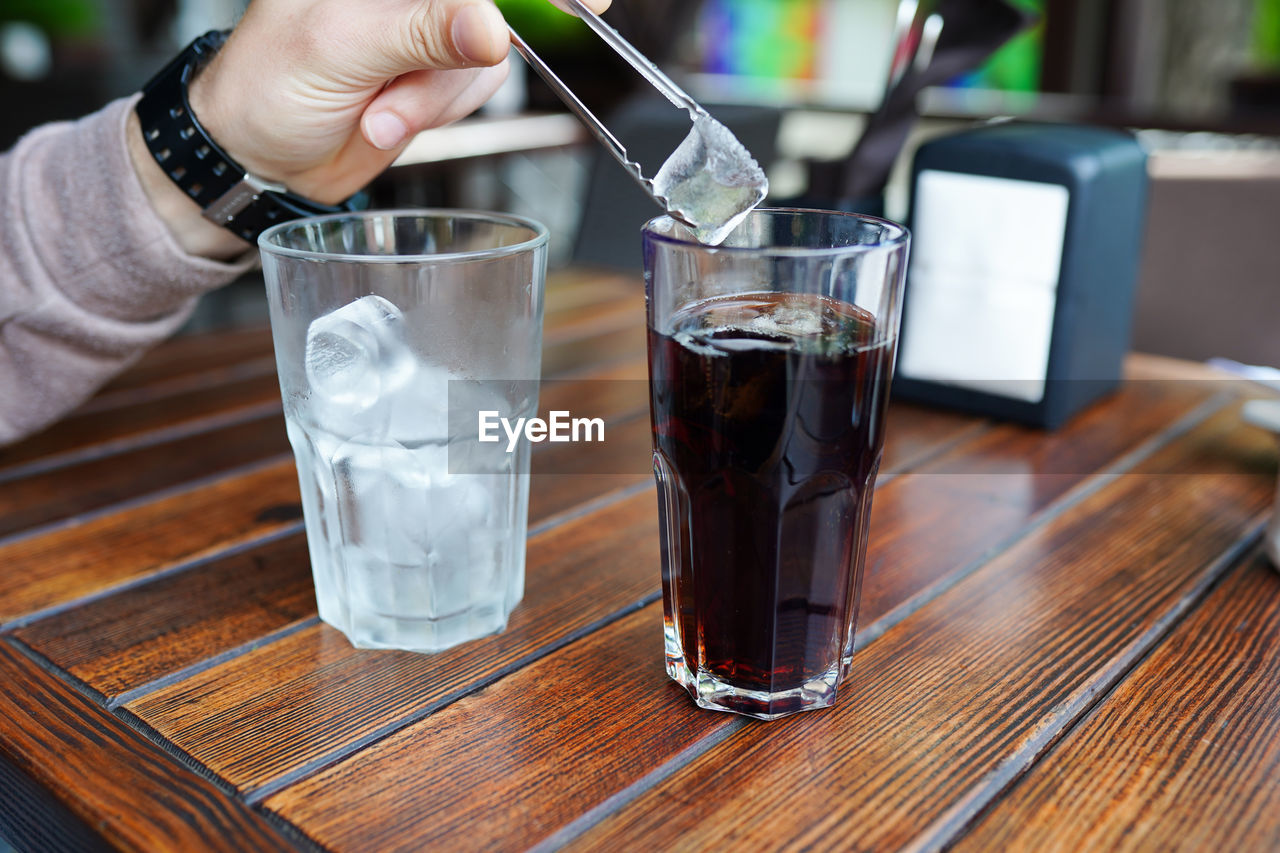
(90, 276)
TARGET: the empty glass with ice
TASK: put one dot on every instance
(770, 358)
(392, 330)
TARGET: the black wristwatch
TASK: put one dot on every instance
(228, 195)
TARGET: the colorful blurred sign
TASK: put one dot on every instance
(844, 41)
(760, 38)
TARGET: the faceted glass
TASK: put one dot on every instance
(417, 540)
(770, 359)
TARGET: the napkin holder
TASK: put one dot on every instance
(1025, 250)
(1266, 414)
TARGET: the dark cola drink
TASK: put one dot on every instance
(768, 413)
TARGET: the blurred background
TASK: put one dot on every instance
(1197, 80)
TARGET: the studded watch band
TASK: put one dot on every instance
(228, 195)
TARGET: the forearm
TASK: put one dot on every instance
(101, 255)
(90, 273)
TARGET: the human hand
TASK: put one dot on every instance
(322, 95)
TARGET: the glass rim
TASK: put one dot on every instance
(900, 235)
(541, 234)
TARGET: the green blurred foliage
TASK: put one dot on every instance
(1015, 67)
(1266, 32)
(543, 24)
(58, 18)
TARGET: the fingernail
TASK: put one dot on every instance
(478, 30)
(385, 130)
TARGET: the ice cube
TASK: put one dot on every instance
(410, 528)
(356, 358)
(377, 490)
(695, 344)
(382, 509)
(711, 181)
(419, 409)
(459, 522)
(313, 452)
(796, 321)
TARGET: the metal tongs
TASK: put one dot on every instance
(639, 62)
(915, 38)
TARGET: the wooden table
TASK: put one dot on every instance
(1067, 639)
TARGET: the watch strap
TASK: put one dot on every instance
(225, 192)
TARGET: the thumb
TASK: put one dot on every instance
(424, 99)
(444, 34)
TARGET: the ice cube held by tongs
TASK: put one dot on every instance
(710, 182)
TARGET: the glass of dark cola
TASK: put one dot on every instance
(770, 359)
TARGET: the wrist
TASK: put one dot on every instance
(223, 100)
(181, 216)
(227, 193)
(204, 96)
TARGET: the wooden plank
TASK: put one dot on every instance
(204, 355)
(570, 289)
(591, 318)
(505, 768)
(116, 781)
(566, 476)
(599, 347)
(121, 642)
(32, 819)
(47, 496)
(232, 371)
(97, 483)
(193, 355)
(615, 390)
(1145, 367)
(189, 379)
(225, 511)
(578, 295)
(128, 425)
(929, 532)
(81, 560)
(245, 718)
(1184, 754)
(914, 434)
(923, 524)
(903, 706)
(124, 640)
(104, 550)
(196, 523)
(973, 686)
(618, 317)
